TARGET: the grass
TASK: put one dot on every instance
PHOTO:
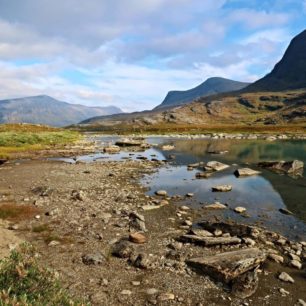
(24, 283)
(19, 138)
(14, 212)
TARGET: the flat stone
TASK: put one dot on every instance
(222, 188)
(152, 291)
(137, 238)
(289, 167)
(216, 205)
(216, 166)
(285, 277)
(228, 266)
(166, 297)
(209, 241)
(246, 172)
(126, 292)
(111, 149)
(201, 232)
(161, 193)
(240, 209)
(301, 302)
(276, 258)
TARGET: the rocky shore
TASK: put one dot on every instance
(112, 244)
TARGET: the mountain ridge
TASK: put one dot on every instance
(211, 86)
(43, 109)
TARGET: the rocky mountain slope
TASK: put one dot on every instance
(211, 86)
(289, 73)
(46, 110)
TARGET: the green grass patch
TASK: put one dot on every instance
(24, 282)
(19, 138)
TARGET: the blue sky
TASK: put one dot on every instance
(130, 53)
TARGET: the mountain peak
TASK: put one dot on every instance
(211, 86)
(289, 72)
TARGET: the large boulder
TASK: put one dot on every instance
(294, 167)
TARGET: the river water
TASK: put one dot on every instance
(262, 195)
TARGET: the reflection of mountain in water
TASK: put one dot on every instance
(240, 151)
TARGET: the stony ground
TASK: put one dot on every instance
(81, 213)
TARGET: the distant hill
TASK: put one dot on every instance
(211, 86)
(289, 73)
(46, 110)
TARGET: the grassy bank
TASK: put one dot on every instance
(163, 129)
(16, 138)
(23, 282)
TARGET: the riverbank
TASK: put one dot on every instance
(85, 210)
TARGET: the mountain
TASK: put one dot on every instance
(289, 73)
(210, 87)
(46, 110)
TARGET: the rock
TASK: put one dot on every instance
(54, 243)
(301, 302)
(162, 193)
(137, 238)
(276, 258)
(142, 261)
(201, 232)
(291, 167)
(210, 241)
(296, 264)
(78, 195)
(249, 241)
(187, 222)
(166, 297)
(137, 222)
(43, 191)
(136, 283)
(167, 147)
(122, 249)
(239, 209)
(245, 285)
(93, 259)
(152, 291)
(130, 142)
(111, 149)
(184, 208)
(246, 172)
(228, 266)
(189, 195)
(218, 233)
(200, 175)
(215, 166)
(285, 211)
(283, 291)
(285, 277)
(126, 292)
(216, 205)
(222, 188)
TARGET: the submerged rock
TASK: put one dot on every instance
(216, 205)
(130, 142)
(222, 188)
(294, 167)
(246, 172)
(215, 166)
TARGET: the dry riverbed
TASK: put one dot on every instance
(80, 220)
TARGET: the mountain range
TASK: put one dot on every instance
(49, 111)
(277, 98)
(210, 87)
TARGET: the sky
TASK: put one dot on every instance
(130, 53)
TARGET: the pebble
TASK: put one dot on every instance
(166, 297)
(151, 291)
(301, 302)
(138, 238)
(161, 193)
(283, 291)
(286, 277)
(136, 283)
(240, 209)
(296, 264)
(276, 258)
(126, 292)
(184, 208)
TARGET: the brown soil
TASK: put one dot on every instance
(84, 210)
